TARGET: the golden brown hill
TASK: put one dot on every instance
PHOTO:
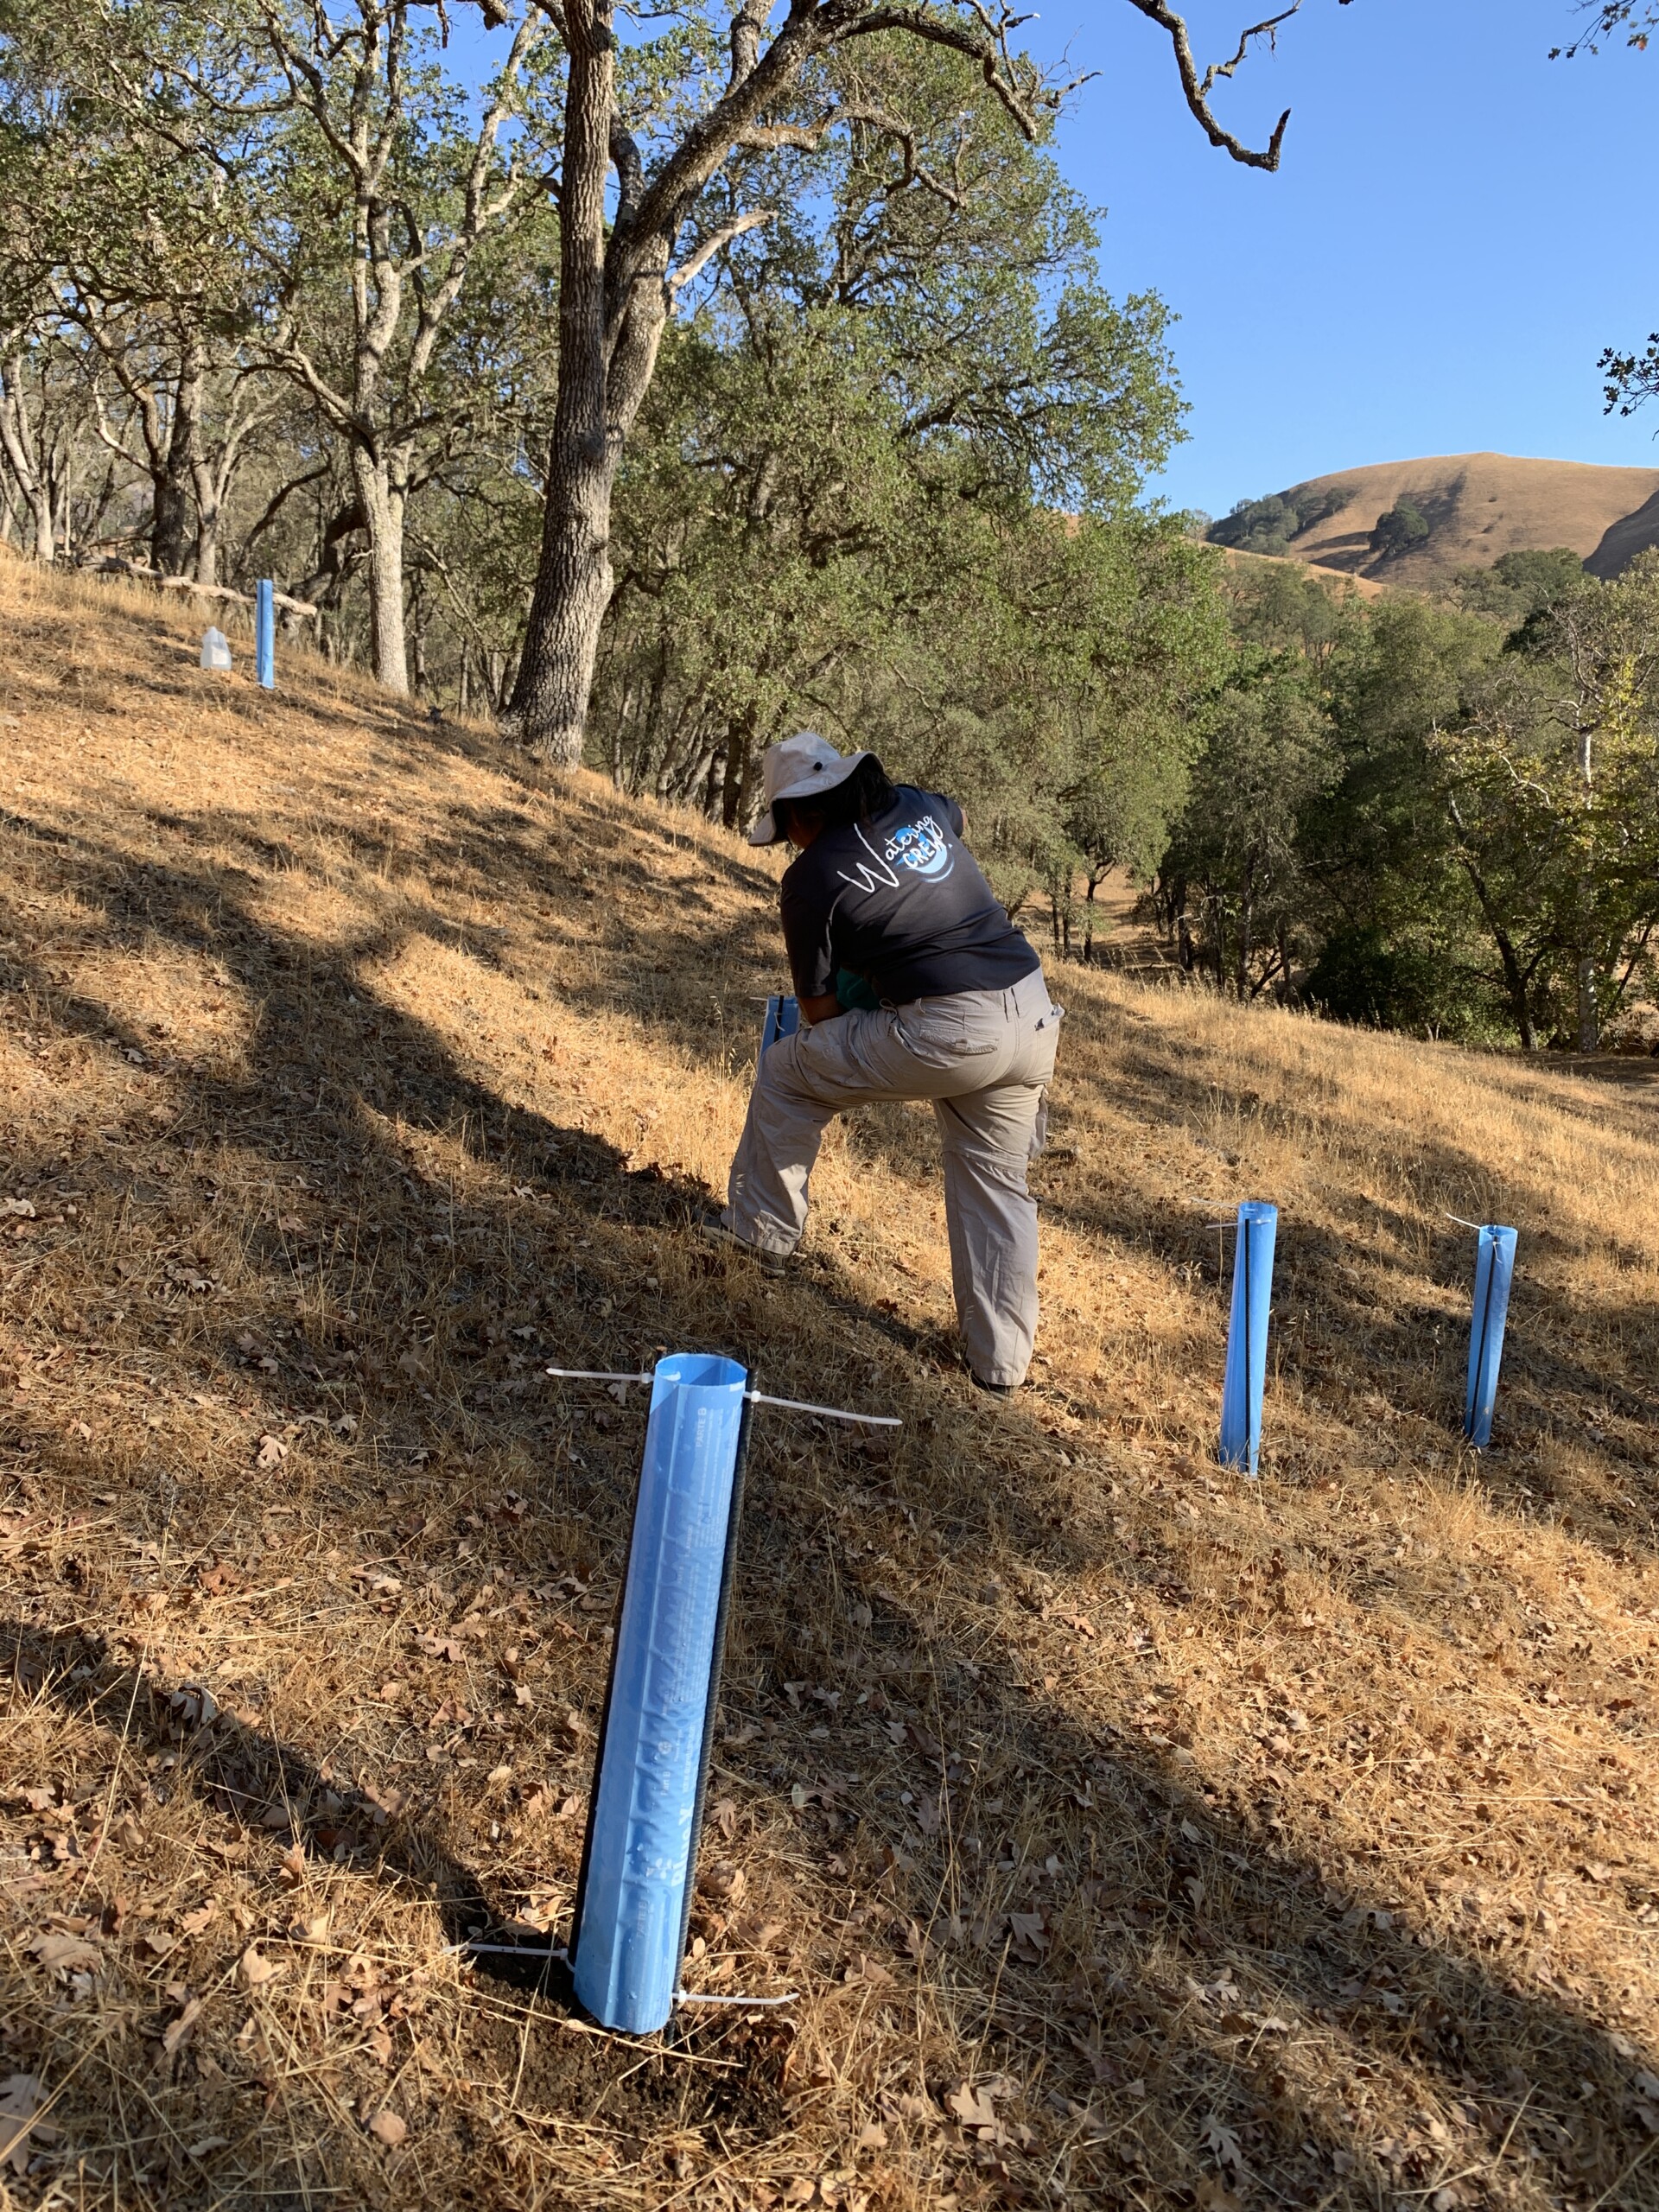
(1133, 1836)
(1479, 506)
(1249, 564)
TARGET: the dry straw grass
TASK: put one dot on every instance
(1133, 1835)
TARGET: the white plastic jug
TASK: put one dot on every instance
(215, 649)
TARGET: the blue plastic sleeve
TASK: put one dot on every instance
(264, 633)
(627, 1946)
(1494, 1274)
(1246, 1336)
(783, 1020)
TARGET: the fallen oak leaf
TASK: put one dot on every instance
(1223, 2143)
(971, 2108)
(1030, 1936)
(866, 1972)
(21, 2097)
(254, 1969)
(62, 1954)
(271, 1453)
(176, 2030)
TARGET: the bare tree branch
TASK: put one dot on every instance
(1268, 30)
(1196, 89)
(705, 253)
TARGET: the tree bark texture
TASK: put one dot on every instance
(381, 497)
(574, 579)
(173, 507)
(18, 436)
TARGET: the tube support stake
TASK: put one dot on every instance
(264, 633)
(1494, 1274)
(1246, 1337)
(636, 1868)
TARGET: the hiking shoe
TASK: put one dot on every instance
(994, 1389)
(770, 1263)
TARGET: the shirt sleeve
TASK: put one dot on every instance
(952, 812)
(806, 938)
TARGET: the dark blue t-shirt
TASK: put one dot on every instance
(900, 900)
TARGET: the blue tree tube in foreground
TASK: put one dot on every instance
(264, 633)
(630, 1900)
(1246, 1336)
(783, 1020)
(1494, 1274)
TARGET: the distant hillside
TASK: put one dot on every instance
(1244, 564)
(1440, 515)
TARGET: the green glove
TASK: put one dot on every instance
(852, 991)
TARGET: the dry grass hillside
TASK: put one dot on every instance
(1250, 567)
(1480, 506)
(1132, 1835)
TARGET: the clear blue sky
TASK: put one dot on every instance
(1458, 226)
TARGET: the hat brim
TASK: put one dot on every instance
(765, 830)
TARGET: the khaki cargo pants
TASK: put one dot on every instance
(984, 1058)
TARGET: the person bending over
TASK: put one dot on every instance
(885, 898)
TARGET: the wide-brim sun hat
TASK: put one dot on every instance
(799, 767)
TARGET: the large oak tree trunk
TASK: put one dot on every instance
(208, 512)
(573, 589)
(381, 496)
(173, 511)
(549, 708)
(17, 434)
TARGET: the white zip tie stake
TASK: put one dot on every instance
(1476, 1225)
(754, 1397)
(824, 1412)
(595, 1375)
(558, 1951)
(696, 1997)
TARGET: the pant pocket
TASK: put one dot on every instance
(939, 1032)
(1040, 1127)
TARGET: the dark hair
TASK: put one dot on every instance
(868, 791)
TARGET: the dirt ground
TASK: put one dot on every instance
(1129, 1832)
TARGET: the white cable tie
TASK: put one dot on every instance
(696, 1997)
(755, 1397)
(596, 1374)
(1477, 1226)
(825, 1413)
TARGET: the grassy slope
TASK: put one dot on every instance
(1292, 1844)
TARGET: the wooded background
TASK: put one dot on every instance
(657, 386)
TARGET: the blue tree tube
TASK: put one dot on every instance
(1246, 1336)
(783, 1020)
(1494, 1274)
(264, 633)
(630, 1914)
